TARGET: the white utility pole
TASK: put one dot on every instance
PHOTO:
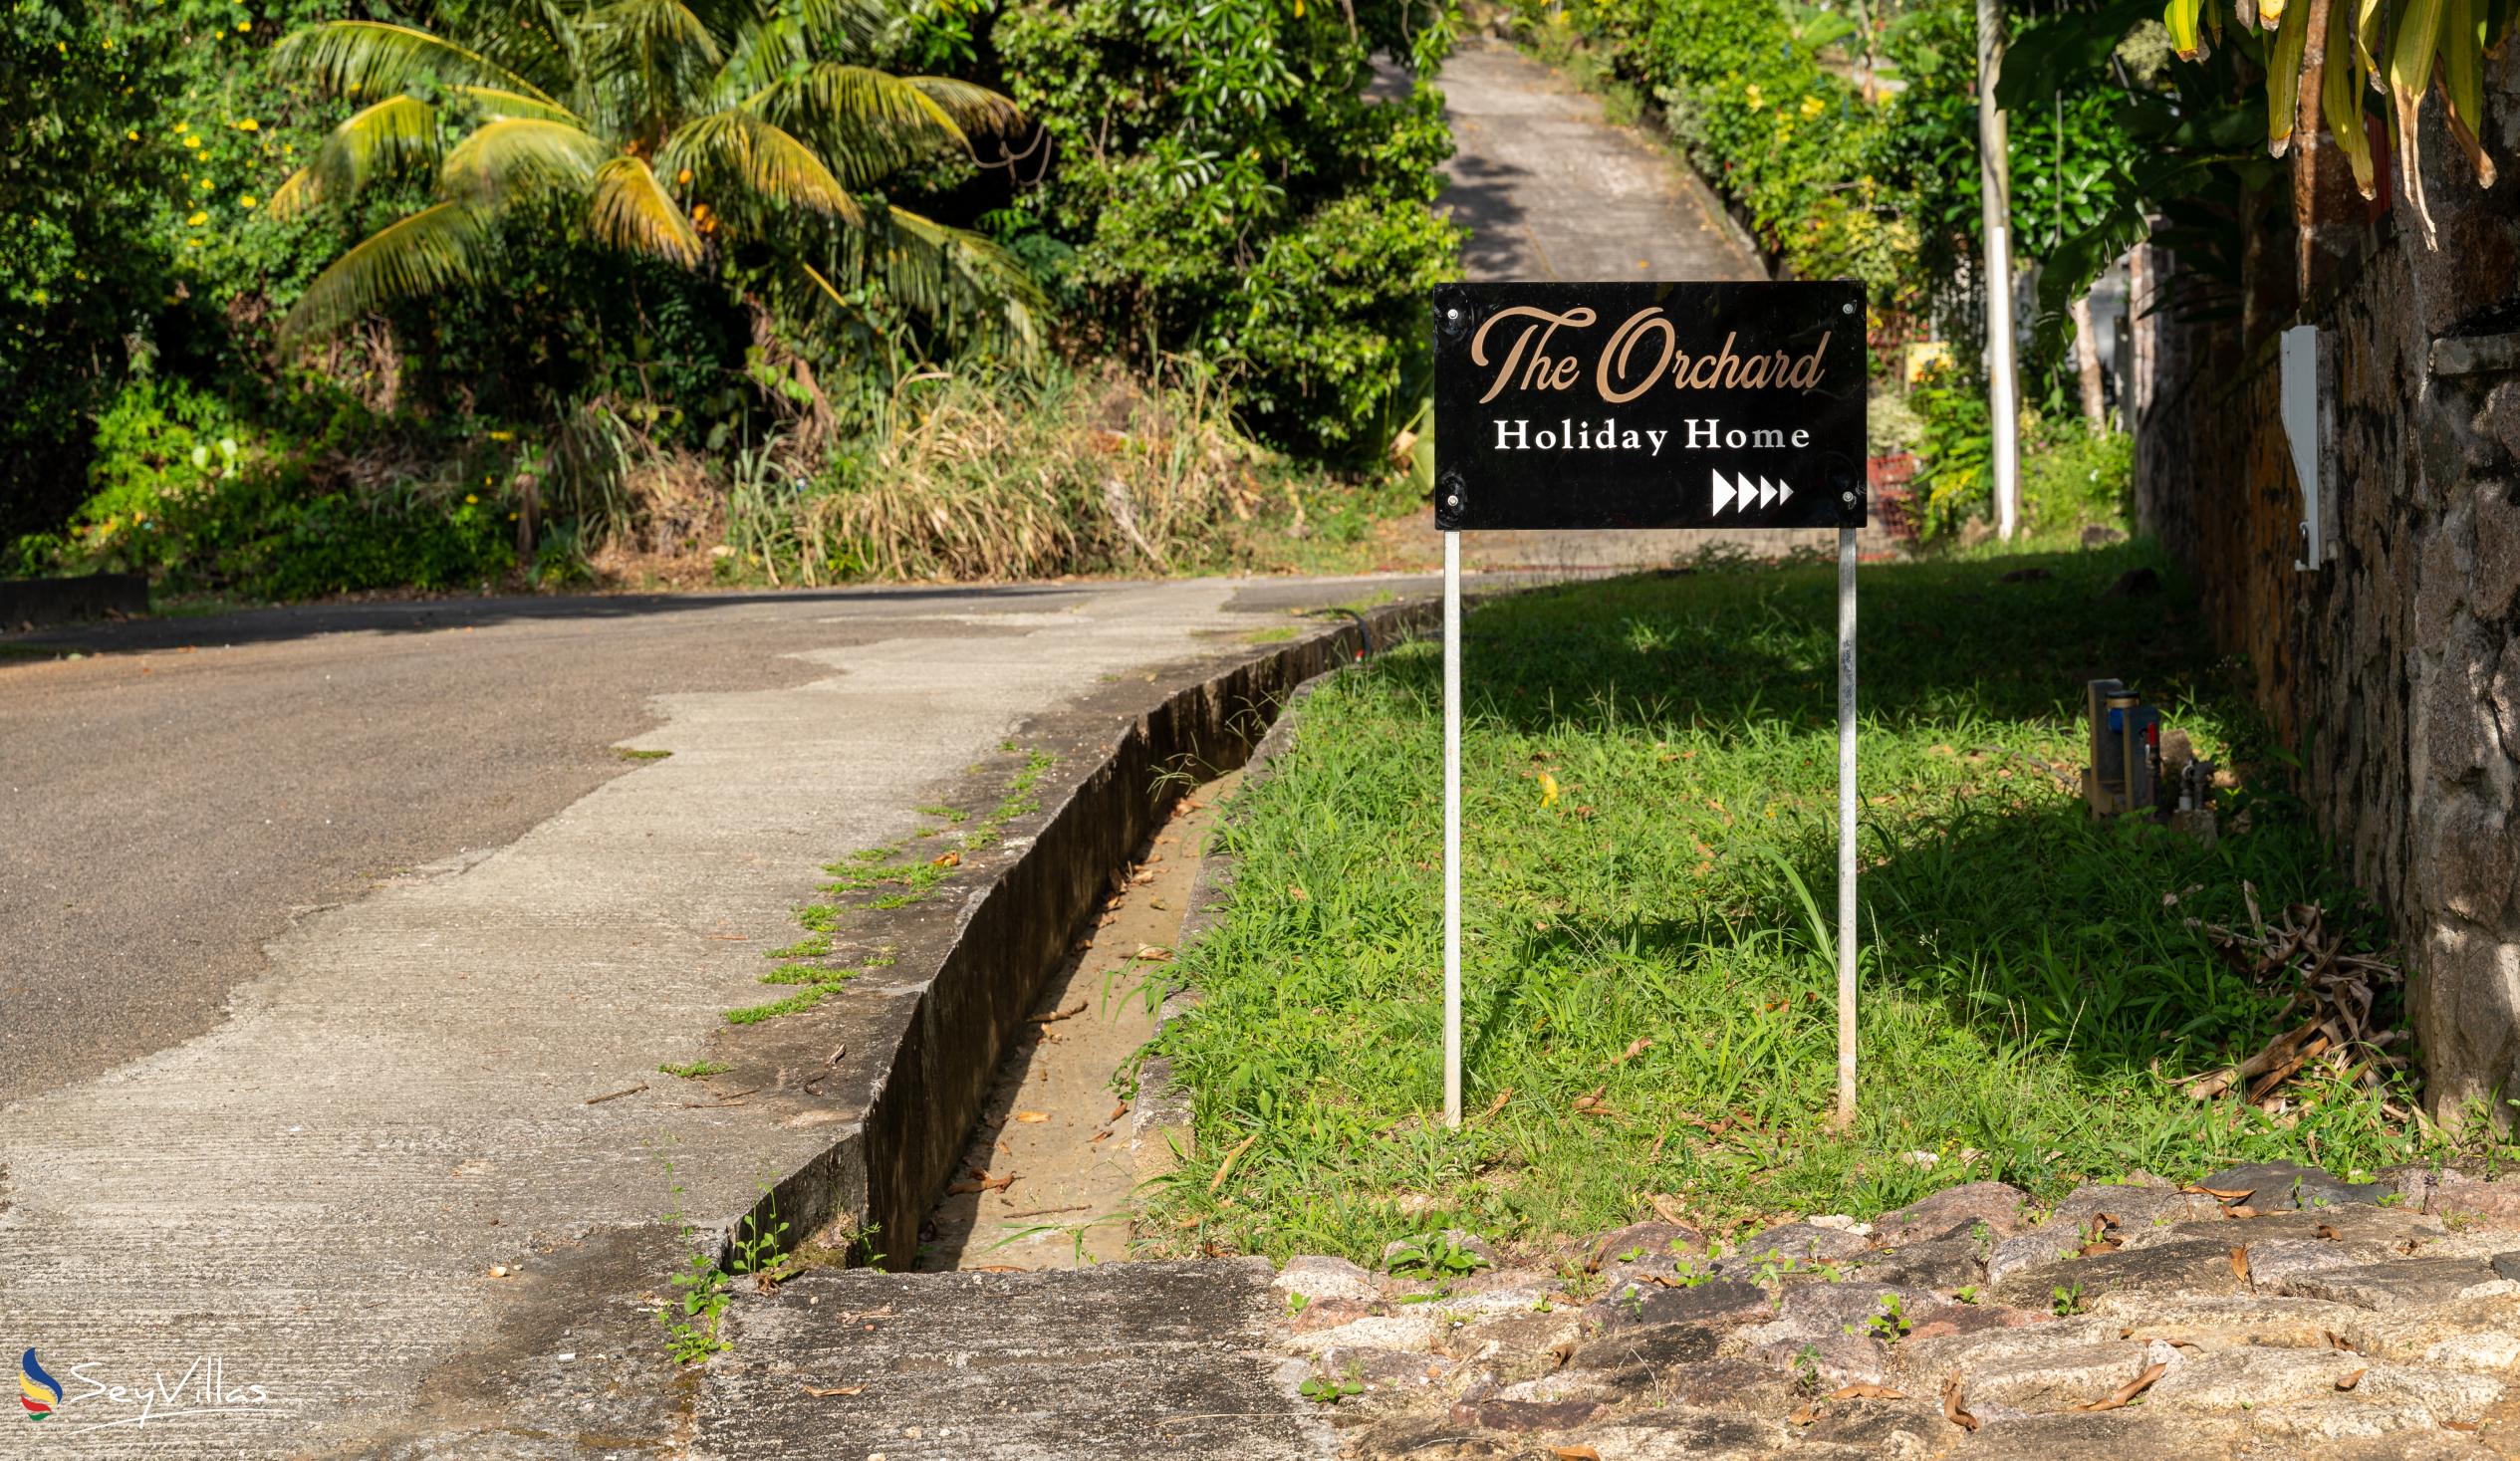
(1994, 191)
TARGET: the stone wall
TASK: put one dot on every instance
(2393, 668)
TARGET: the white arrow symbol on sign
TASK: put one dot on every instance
(1784, 494)
(1767, 492)
(1724, 494)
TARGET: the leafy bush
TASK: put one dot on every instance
(1221, 184)
(1958, 447)
(185, 488)
(2070, 476)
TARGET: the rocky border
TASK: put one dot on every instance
(2267, 1310)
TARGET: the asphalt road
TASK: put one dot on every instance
(180, 798)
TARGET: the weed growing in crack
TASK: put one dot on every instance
(904, 882)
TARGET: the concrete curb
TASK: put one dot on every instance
(918, 1064)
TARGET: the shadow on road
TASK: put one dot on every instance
(432, 615)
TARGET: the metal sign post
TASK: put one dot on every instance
(1846, 828)
(1452, 829)
(1650, 405)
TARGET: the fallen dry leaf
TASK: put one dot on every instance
(1635, 1049)
(1668, 1208)
(2131, 1388)
(1861, 1391)
(1495, 1105)
(1055, 1016)
(1032, 1119)
(819, 1391)
(1803, 1415)
(1228, 1165)
(1951, 1409)
(2226, 1194)
(1117, 1111)
(2331, 1234)
(2240, 1264)
(947, 860)
(2348, 1382)
(1155, 955)
(1574, 1453)
(2460, 1425)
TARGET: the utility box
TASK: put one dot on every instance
(2121, 772)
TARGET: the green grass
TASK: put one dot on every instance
(626, 754)
(696, 1069)
(2023, 967)
(907, 882)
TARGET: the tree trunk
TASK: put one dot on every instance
(2086, 364)
(1994, 183)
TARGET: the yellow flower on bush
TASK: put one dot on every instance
(1752, 94)
(244, 24)
(469, 499)
(198, 220)
(246, 201)
(249, 124)
(205, 185)
(1813, 107)
(192, 141)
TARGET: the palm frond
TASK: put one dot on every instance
(395, 133)
(500, 102)
(515, 155)
(975, 108)
(662, 43)
(871, 122)
(628, 210)
(964, 280)
(540, 39)
(735, 144)
(440, 245)
(853, 23)
(362, 59)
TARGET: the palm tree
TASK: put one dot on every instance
(664, 127)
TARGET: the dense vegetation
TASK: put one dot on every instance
(315, 295)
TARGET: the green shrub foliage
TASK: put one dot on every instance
(1226, 177)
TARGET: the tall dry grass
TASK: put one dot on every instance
(990, 477)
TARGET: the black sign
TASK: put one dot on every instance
(1650, 405)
